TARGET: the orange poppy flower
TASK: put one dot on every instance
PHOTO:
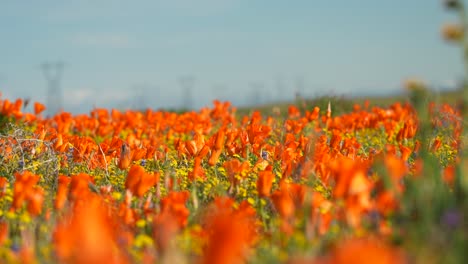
(265, 181)
(449, 175)
(164, 230)
(23, 186)
(126, 157)
(198, 170)
(6, 107)
(436, 144)
(386, 202)
(344, 170)
(79, 186)
(293, 112)
(234, 168)
(283, 203)
(88, 234)
(220, 139)
(335, 140)
(363, 251)
(231, 232)
(127, 214)
(3, 184)
(58, 141)
(214, 157)
(138, 181)
(62, 191)
(397, 169)
(405, 152)
(174, 204)
(147, 181)
(204, 151)
(139, 153)
(3, 232)
(311, 116)
(191, 147)
(196, 145)
(35, 201)
(320, 216)
(38, 108)
(296, 191)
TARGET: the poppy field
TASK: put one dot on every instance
(300, 184)
(374, 185)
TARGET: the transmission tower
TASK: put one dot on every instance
(219, 91)
(2, 81)
(279, 85)
(300, 86)
(53, 74)
(258, 96)
(139, 100)
(187, 83)
(142, 99)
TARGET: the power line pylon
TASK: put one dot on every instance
(300, 86)
(258, 96)
(53, 74)
(279, 85)
(219, 91)
(187, 83)
(141, 99)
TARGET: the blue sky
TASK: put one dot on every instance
(134, 53)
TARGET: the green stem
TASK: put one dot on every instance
(463, 190)
(464, 21)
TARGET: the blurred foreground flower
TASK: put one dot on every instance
(362, 251)
(231, 232)
(26, 191)
(88, 234)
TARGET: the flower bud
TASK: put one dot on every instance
(452, 4)
(413, 84)
(452, 32)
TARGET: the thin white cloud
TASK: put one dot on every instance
(448, 84)
(198, 7)
(86, 10)
(77, 97)
(105, 40)
(86, 98)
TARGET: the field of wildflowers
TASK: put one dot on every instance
(376, 185)
(372, 185)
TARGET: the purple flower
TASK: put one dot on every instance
(451, 218)
(15, 247)
(70, 153)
